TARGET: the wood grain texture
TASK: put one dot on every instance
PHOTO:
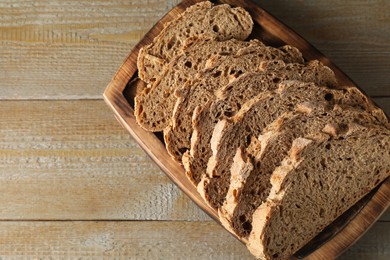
(70, 49)
(71, 160)
(139, 240)
(134, 240)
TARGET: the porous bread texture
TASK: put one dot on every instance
(221, 22)
(154, 106)
(201, 90)
(196, 158)
(250, 179)
(241, 168)
(321, 178)
(231, 133)
(231, 97)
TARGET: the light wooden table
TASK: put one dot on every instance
(73, 184)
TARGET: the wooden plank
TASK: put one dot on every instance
(70, 49)
(72, 160)
(135, 240)
(139, 240)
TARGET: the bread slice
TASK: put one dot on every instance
(231, 97)
(221, 22)
(195, 159)
(154, 106)
(231, 133)
(200, 91)
(252, 169)
(319, 180)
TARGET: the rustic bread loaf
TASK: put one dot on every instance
(231, 133)
(319, 180)
(154, 106)
(252, 169)
(201, 90)
(221, 22)
(231, 97)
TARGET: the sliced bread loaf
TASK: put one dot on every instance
(200, 91)
(154, 106)
(231, 97)
(319, 180)
(221, 22)
(252, 169)
(231, 133)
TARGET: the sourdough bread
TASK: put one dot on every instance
(231, 133)
(231, 97)
(201, 90)
(249, 181)
(221, 22)
(319, 180)
(154, 106)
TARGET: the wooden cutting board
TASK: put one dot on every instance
(120, 93)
